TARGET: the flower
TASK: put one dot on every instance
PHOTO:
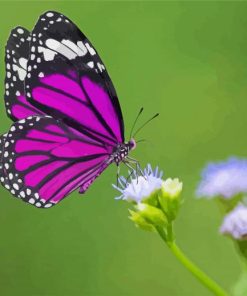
(169, 197)
(140, 187)
(235, 223)
(172, 187)
(226, 179)
(156, 202)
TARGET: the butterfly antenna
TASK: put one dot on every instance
(145, 123)
(133, 126)
(142, 140)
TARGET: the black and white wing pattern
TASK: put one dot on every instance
(16, 57)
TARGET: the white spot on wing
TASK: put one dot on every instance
(20, 30)
(80, 52)
(101, 67)
(49, 14)
(31, 201)
(16, 186)
(23, 63)
(48, 54)
(90, 64)
(90, 49)
(21, 72)
(60, 48)
(82, 47)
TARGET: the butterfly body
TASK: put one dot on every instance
(122, 150)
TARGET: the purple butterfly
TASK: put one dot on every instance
(68, 125)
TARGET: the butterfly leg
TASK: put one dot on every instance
(137, 165)
(132, 171)
(118, 173)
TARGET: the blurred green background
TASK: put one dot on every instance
(186, 60)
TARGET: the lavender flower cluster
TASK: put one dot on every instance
(227, 180)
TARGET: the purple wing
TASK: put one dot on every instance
(44, 160)
(67, 80)
(16, 56)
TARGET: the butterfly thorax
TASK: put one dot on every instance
(122, 150)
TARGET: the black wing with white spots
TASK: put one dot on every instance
(16, 57)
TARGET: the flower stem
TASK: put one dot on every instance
(197, 272)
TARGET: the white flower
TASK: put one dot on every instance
(140, 187)
(225, 179)
(172, 187)
(235, 223)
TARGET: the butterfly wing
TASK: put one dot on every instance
(16, 56)
(3, 179)
(67, 80)
(44, 160)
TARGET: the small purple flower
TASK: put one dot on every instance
(225, 179)
(235, 223)
(140, 187)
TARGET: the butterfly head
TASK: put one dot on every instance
(132, 144)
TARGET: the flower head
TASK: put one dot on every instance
(140, 187)
(226, 179)
(235, 223)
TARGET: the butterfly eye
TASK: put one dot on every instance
(132, 144)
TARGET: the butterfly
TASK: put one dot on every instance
(68, 125)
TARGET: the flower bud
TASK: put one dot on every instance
(140, 221)
(152, 215)
(172, 188)
(169, 197)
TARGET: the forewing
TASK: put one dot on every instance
(16, 56)
(65, 70)
(44, 160)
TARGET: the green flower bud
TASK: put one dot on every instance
(152, 215)
(169, 197)
(140, 221)
(171, 188)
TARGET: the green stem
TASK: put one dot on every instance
(170, 234)
(198, 273)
